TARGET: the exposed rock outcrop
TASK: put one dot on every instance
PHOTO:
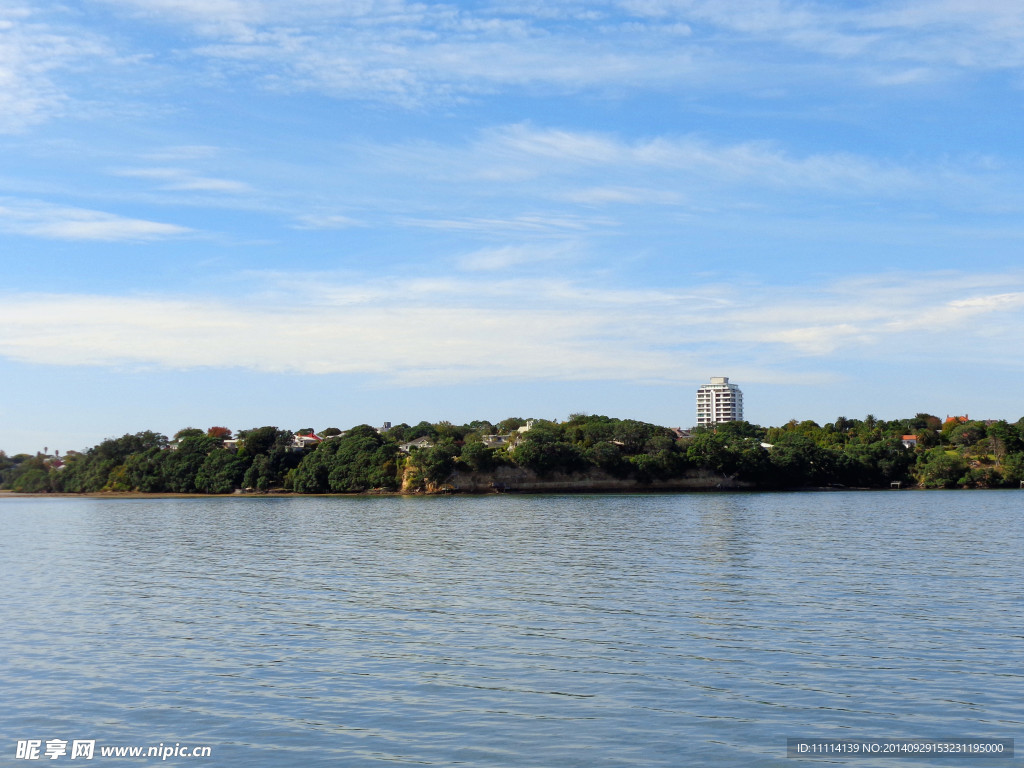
(519, 480)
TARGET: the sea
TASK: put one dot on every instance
(562, 631)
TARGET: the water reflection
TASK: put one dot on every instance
(639, 631)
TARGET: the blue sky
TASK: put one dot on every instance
(313, 213)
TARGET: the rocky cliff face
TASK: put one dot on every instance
(519, 480)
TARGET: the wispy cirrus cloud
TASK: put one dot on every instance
(326, 221)
(415, 54)
(33, 55)
(38, 219)
(535, 223)
(591, 168)
(611, 195)
(183, 180)
(760, 162)
(509, 256)
(958, 34)
(208, 17)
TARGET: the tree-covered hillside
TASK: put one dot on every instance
(858, 453)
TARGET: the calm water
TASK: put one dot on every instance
(669, 630)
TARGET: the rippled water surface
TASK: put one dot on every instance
(692, 629)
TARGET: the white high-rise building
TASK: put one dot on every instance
(719, 401)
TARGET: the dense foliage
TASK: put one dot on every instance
(868, 453)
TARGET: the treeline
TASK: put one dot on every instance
(859, 453)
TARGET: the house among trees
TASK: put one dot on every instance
(305, 439)
(585, 449)
(418, 444)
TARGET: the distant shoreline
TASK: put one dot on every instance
(554, 490)
(586, 454)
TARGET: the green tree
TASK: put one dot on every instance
(264, 440)
(259, 474)
(588, 431)
(423, 429)
(732, 430)
(268, 454)
(180, 467)
(938, 468)
(980, 477)
(5, 463)
(89, 472)
(145, 470)
(728, 454)
(843, 424)
(11, 466)
(31, 479)
(221, 472)
(966, 434)
(28, 474)
(436, 464)
(633, 435)
(658, 465)
(477, 457)
(550, 457)
(510, 425)
(399, 433)
(445, 430)
(925, 421)
(608, 457)
(873, 465)
(359, 460)
(796, 460)
(1004, 438)
(1012, 469)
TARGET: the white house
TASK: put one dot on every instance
(304, 442)
(418, 444)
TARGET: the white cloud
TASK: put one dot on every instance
(939, 33)
(522, 163)
(418, 53)
(590, 167)
(624, 195)
(870, 317)
(954, 314)
(535, 223)
(758, 162)
(208, 17)
(31, 56)
(404, 343)
(182, 180)
(415, 53)
(506, 257)
(459, 330)
(62, 223)
(326, 221)
(185, 153)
